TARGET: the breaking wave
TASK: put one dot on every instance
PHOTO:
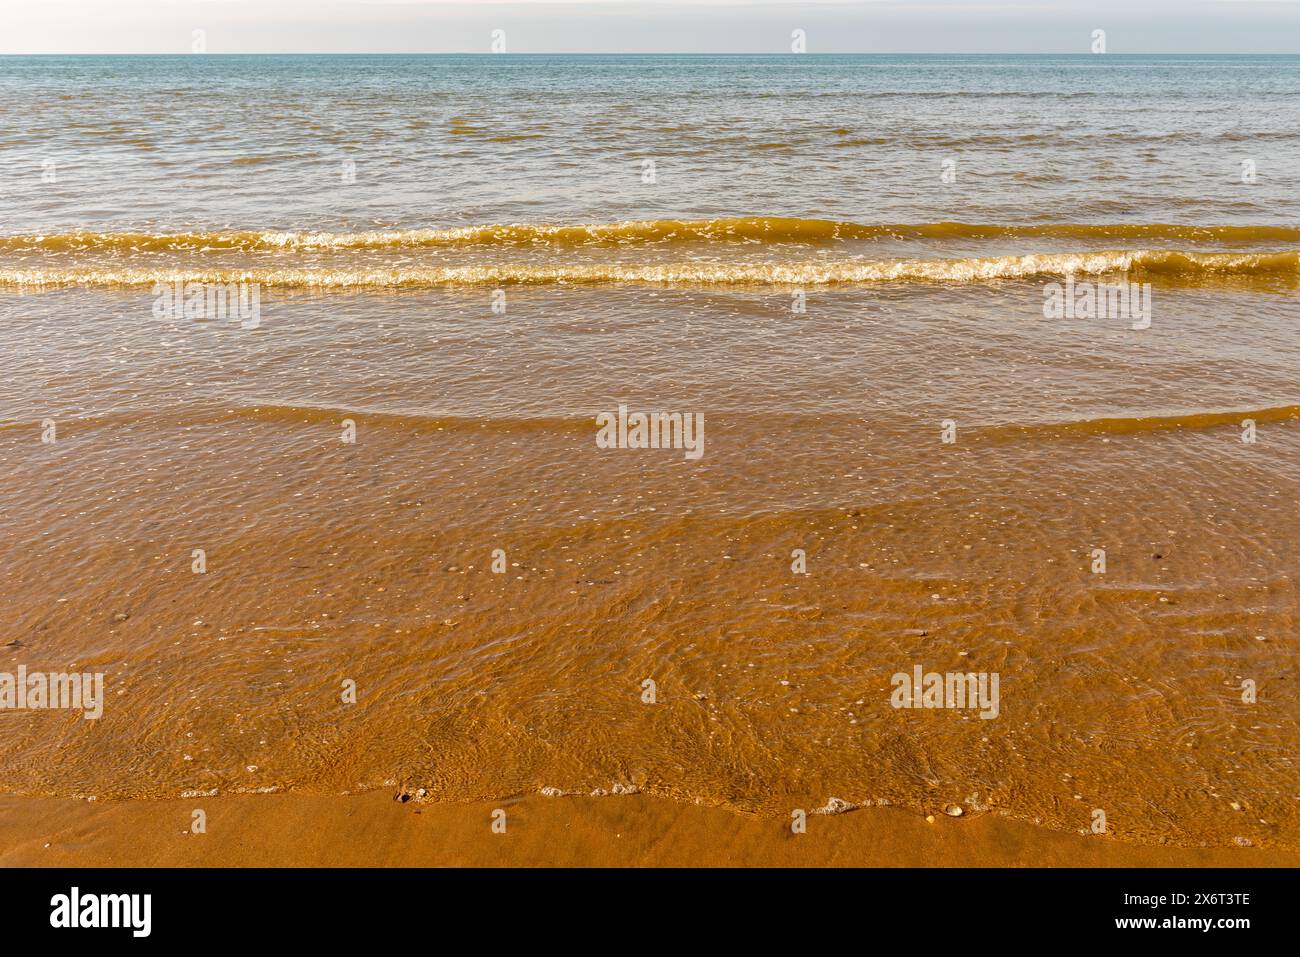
(752, 229)
(1139, 263)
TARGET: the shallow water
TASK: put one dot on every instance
(476, 430)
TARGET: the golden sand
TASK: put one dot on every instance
(375, 830)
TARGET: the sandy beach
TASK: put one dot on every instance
(375, 830)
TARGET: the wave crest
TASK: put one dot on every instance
(1134, 264)
(751, 229)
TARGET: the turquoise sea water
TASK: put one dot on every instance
(173, 142)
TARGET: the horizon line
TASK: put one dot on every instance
(694, 53)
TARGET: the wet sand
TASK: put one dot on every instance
(374, 830)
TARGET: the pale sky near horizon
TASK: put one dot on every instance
(632, 26)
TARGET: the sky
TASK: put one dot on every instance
(648, 26)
